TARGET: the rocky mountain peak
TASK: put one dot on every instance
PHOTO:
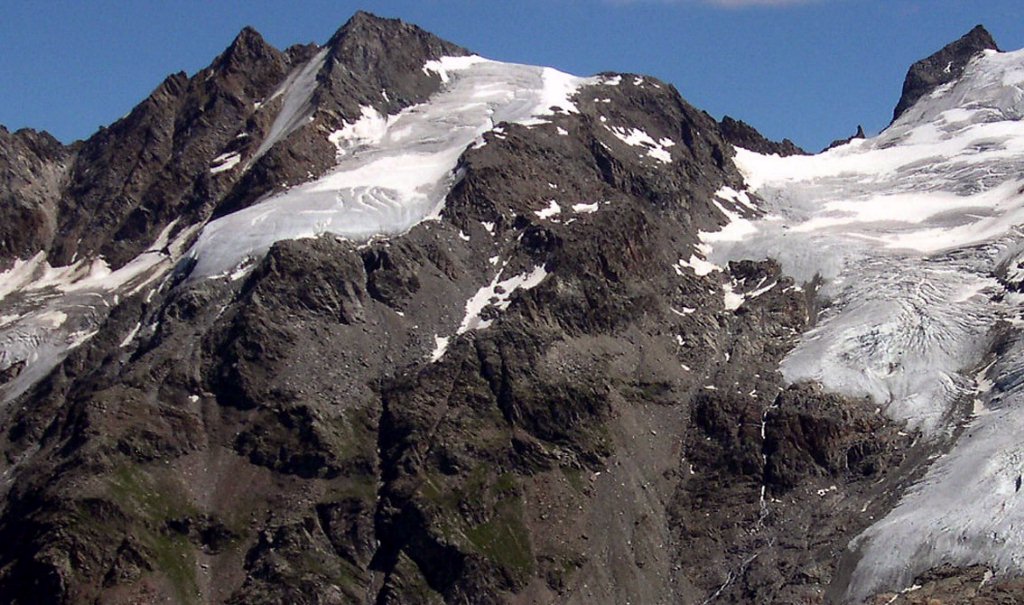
(378, 62)
(247, 47)
(942, 67)
(367, 41)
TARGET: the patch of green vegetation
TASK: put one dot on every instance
(336, 570)
(154, 503)
(505, 540)
(654, 392)
(355, 485)
(506, 485)
(432, 490)
(413, 586)
(174, 556)
(439, 491)
(354, 435)
(350, 579)
(557, 567)
(575, 478)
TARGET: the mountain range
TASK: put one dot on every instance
(383, 321)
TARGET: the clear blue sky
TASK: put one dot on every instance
(810, 70)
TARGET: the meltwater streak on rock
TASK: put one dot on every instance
(909, 229)
(297, 90)
(403, 178)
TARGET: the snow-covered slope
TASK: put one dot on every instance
(392, 171)
(916, 233)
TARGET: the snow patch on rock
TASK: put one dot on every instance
(225, 162)
(499, 294)
(638, 138)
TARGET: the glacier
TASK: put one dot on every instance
(915, 235)
(50, 311)
(392, 172)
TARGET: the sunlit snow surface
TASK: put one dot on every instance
(909, 230)
(393, 171)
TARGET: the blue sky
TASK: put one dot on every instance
(810, 70)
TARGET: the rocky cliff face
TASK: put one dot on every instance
(33, 168)
(541, 395)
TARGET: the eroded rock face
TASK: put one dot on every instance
(33, 168)
(154, 166)
(955, 585)
(327, 426)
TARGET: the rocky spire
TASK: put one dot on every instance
(247, 47)
(942, 67)
(366, 39)
(741, 134)
(379, 62)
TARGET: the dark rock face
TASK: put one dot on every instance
(943, 67)
(379, 62)
(741, 134)
(131, 180)
(33, 168)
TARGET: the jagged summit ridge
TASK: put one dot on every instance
(379, 62)
(248, 47)
(741, 134)
(943, 67)
(365, 34)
